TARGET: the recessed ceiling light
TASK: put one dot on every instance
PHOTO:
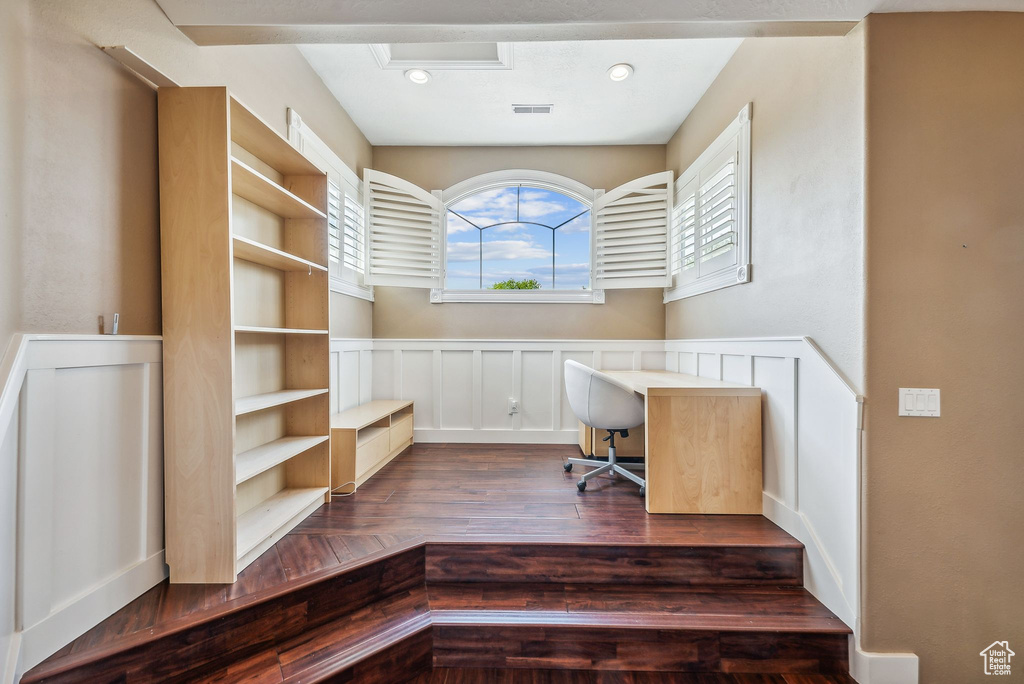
(418, 76)
(620, 72)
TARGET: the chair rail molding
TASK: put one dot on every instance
(81, 462)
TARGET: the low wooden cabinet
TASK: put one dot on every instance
(364, 439)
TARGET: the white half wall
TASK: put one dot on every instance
(811, 420)
(462, 387)
(81, 487)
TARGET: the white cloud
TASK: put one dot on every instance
(540, 209)
(496, 197)
(580, 224)
(457, 225)
(496, 250)
(499, 205)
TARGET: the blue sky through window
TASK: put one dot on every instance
(516, 239)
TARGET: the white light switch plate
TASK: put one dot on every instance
(915, 401)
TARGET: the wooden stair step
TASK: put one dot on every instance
(727, 608)
(459, 675)
(594, 563)
(230, 636)
(752, 629)
(385, 642)
(639, 647)
(668, 608)
(338, 645)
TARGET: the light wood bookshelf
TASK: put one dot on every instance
(245, 334)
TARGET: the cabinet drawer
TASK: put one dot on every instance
(401, 432)
(371, 452)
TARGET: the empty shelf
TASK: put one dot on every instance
(251, 463)
(258, 253)
(261, 140)
(250, 184)
(258, 402)
(368, 433)
(267, 517)
(278, 331)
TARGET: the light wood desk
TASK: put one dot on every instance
(703, 442)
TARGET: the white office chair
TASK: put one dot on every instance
(603, 402)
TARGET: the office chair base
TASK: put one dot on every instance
(611, 466)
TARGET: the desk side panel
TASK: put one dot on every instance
(704, 454)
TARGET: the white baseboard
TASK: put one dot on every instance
(71, 621)
(882, 668)
(428, 435)
(820, 575)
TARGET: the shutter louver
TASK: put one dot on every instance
(353, 235)
(716, 212)
(333, 223)
(630, 234)
(684, 230)
(403, 237)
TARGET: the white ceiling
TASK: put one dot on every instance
(233, 22)
(469, 107)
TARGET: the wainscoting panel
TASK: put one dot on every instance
(81, 522)
(462, 387)
(811, 419)
(537, 394)
(352, 373)
(456, 399)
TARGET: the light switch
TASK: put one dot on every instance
(915, 401)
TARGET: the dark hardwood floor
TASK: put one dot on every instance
(445, 675)
(499, 519)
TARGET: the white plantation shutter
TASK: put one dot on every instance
(345, 232)
(353, 246)
(684, 232)
(403, 232)
(334, 202)
(711, 220)
(716, 212)
(631, 234)
(345, 236)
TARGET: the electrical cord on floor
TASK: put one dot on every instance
(344, 493)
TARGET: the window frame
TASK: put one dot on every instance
(737, 133)
(496, 179)
(342, 279)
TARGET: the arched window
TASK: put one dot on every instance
(518, 230)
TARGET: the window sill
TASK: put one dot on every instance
(439, 296)
(351, 289)
(716, 281)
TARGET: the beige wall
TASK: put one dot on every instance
(13, 21)
(351, 316)
(626, 314)
(944, 524)
(81, 235)
(402, 312)
(437, 168)
(807, 195)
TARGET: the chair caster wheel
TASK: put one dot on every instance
(643, 490)
(581, 485)
(567, 467)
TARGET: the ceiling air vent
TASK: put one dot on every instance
(532, 108)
